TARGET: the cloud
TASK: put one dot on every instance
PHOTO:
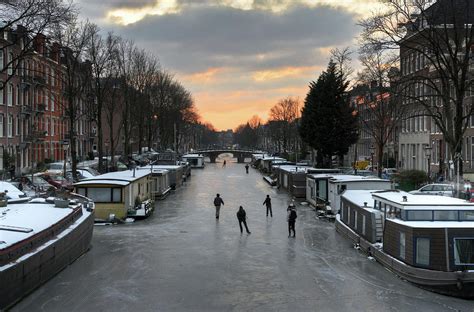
(280, 73)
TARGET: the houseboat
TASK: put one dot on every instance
(324, 190)
(118, 195)
(176, 173)
(160, 185)
(292, 179)
(194, 160)
(266, 163)
(39, 238)
(425, 239)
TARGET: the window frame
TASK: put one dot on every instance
(415, 251)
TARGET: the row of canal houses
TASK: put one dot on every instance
(425, 239)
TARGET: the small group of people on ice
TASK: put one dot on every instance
(242, 215)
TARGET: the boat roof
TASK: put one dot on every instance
(359, 197)
(271, 158)
(13, 192)
(168, 167)
(435, 224)
(116, 178)
(32, 217)
(430, 202)
(295, 169)
(321, 175)
(343, 178)
(192, 156)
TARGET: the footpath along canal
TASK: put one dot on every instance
(183, 259)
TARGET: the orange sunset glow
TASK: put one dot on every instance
(238, 58)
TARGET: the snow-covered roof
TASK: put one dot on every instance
(418, 202)
(359, 197)
(34, 216)
(192, 156)
(294, 169)
(355, 178)
(13, 192)
(271, 158)
(116, 178)
(320, 175)
(168, 167)
(435, 224)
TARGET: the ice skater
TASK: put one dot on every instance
(247, 168)
(268, 203)
(291, 217)
(217, 203)
(224, 163)
(242, 217)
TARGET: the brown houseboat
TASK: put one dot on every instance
(425, 239)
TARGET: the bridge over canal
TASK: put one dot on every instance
(240, 154)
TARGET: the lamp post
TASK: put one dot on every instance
(65, 148)
(372, 152)
(106, 156)
(428, 149)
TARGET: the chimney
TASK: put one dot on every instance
(365, 204)
(404, 198)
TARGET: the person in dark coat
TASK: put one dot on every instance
(291, 219)
(217, 203)
(224, 163)
(247, 168)
(242, 217)
(268, 203)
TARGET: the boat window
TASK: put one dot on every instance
(322, 189)
(449, 215)
(116, 195)
(81, 191)
(355, 219)
(422, 256)
(363, 224)
(464, 251)
(466, 215)
(402, 245)
(419, 215)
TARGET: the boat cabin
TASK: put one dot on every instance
(194, 160)
(292, 179)
(423, 231)
(176, 173)
(119, 194)
(267, 162)
(160, 183)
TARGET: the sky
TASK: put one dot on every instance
(237, 57)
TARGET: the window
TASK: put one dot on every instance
(102, 194)
(401, 246)
(440, 215)
(2, 93)
(53, 99)
(363, 225)
(463, 215)
(2, 66)
(464, 251)
(10, 63)
(10, 126)
(355, 220)
(10, 95)
(1, 125)
(422, 252)
(420, 215)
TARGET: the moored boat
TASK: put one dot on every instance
(425, 239)
(39, 238)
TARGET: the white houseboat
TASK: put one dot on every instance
(194, 160)
(176, 173)
(38, 239)
(292, 178)
(325, 190)
(119, 194)
(425, 239)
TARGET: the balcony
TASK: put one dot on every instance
(26, 111)
(40, 108)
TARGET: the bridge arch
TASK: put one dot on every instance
(239, 154)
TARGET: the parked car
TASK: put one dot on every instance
(35, 183)
(435, 189)
(81, 175)
(387, 173)
(57, 181)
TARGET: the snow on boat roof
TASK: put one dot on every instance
(34, 216)
(356, 178)
(422, 201)
(321, 175)
(169, 167)
(13, 192)
(295, 169)
(359, 197)
(116, 178)
(435, 224)
(272, 158)
(192, 156)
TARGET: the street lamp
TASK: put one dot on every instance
(65, 148)
(428, 149)
(372, 152)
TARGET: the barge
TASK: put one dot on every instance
(425, 239)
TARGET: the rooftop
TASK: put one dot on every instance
(117, 178)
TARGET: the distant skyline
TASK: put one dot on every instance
(237, 57)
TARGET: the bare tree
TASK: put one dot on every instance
(435, 43)
(284, 115)
(77, 77)
(31, 18)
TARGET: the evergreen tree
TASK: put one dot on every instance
(327, 123)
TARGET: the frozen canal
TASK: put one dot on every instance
(182, 259)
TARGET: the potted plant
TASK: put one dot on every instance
(3, 199)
